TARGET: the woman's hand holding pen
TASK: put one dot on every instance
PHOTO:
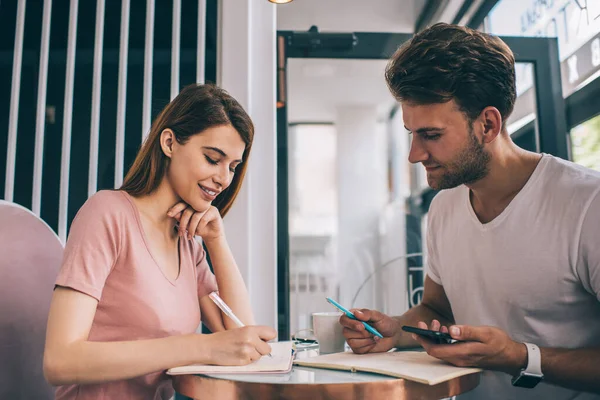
(360, 340)
(239, 346)
(234, 346)
(207, 224)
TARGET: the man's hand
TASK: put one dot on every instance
(482, 346)
(360, 340)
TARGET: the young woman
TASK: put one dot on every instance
(134, 282)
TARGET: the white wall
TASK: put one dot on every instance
(362, 195)
(316, 87)
(392, 280)
(246, 68)
(350, 15)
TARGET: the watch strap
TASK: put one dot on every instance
(534, 359)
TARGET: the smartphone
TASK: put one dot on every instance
(434, 336)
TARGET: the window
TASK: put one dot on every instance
(313, 210)
(585, 143)
(313, 189)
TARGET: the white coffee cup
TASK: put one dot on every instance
(329, 332)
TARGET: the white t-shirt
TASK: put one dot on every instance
(533, 271)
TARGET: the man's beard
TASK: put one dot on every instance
(470, 165)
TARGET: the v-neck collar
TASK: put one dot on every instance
(513, 203)
(138, 219)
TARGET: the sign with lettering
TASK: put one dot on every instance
(580, 65)
(573, 22)
(576, 24)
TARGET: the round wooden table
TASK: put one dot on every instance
(316, 384)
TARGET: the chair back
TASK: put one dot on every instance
(30, 257)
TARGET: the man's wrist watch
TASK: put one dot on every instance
(532, 375)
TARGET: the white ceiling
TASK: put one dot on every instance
(350, 15)
(316, 87)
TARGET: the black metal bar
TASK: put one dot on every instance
(482, 12)
(524, 130)
(310, 123)
(525, 137)
(583, 104)
(393, 111)
(550, 104)
(551, 113)
(283, 233)
(370, 45)
(462, 11)
(427, 13)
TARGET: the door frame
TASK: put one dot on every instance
(542, 53)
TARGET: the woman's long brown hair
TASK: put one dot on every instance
(195, 109)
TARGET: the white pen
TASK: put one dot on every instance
(227, 311)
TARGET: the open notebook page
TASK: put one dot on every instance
(412, 365)
(280, 362)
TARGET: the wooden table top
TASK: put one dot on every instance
(316, 384)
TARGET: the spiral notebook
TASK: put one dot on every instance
(280, 363)
(412, 365)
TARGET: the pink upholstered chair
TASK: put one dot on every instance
(30, 256)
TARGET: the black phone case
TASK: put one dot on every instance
(435, 336)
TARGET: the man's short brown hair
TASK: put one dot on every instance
(450, 62)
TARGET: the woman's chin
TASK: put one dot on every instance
(196, 201)
(200, 205)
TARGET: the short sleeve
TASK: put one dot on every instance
(432, 255)
(588, 262)
(207, 283)
(92, 246)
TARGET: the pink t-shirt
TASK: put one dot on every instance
(108, 257)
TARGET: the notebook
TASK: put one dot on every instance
(281, 362)
(412, 365)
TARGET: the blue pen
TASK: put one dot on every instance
(351, 316)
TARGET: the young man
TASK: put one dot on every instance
(513, 244)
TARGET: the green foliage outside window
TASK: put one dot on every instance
(585, 139)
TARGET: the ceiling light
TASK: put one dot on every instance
(280, 1)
